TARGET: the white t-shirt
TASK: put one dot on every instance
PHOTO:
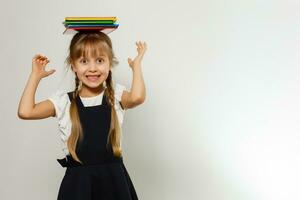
(62, 103)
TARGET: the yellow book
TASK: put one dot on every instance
(91, 18)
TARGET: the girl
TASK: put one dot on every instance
(89, 117)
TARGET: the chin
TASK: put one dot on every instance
(94, 85)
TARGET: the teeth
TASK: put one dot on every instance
(93, 77)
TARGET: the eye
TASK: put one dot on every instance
(84, 61)
(100, 60)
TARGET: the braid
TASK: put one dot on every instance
(77, 82)
(76, 130)
(110, 91)
(75, 94)
(114, 133)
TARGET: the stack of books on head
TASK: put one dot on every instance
(103, 24)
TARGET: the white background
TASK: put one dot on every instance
(221, 116)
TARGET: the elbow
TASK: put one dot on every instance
(139, 100)
(22, 115)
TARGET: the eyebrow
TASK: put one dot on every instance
(101, 56)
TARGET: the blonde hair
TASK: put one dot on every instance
(96, 43)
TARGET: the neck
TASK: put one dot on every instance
(91, 92)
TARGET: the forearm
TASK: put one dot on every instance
(27, 101)
(138, 90)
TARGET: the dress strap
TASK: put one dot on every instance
(104, 100)
(70, 94)
(79, 102)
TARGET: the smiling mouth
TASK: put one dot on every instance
(93, 77)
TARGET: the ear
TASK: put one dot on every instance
(74, 69)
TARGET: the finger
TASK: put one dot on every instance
(143, 45)
(40, 58)
(41, 61)
(51, 71)
(138, 44)
(140, 48)
(35, 56)
(38, 55)
(45, 62)
(43, 58)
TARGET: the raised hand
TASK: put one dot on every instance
(39, 63)
(141, 49)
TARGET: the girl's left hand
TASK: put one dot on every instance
(141, 49)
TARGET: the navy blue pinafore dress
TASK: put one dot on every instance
(102, 176)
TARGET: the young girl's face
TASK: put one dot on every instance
(92, 71)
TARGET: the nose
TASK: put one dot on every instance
(92, 66)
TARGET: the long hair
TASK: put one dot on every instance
(96, 42)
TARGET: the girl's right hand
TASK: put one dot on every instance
(38, 66)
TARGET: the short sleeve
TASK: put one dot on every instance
(59, 101)
(119, 88)
(119, 91)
